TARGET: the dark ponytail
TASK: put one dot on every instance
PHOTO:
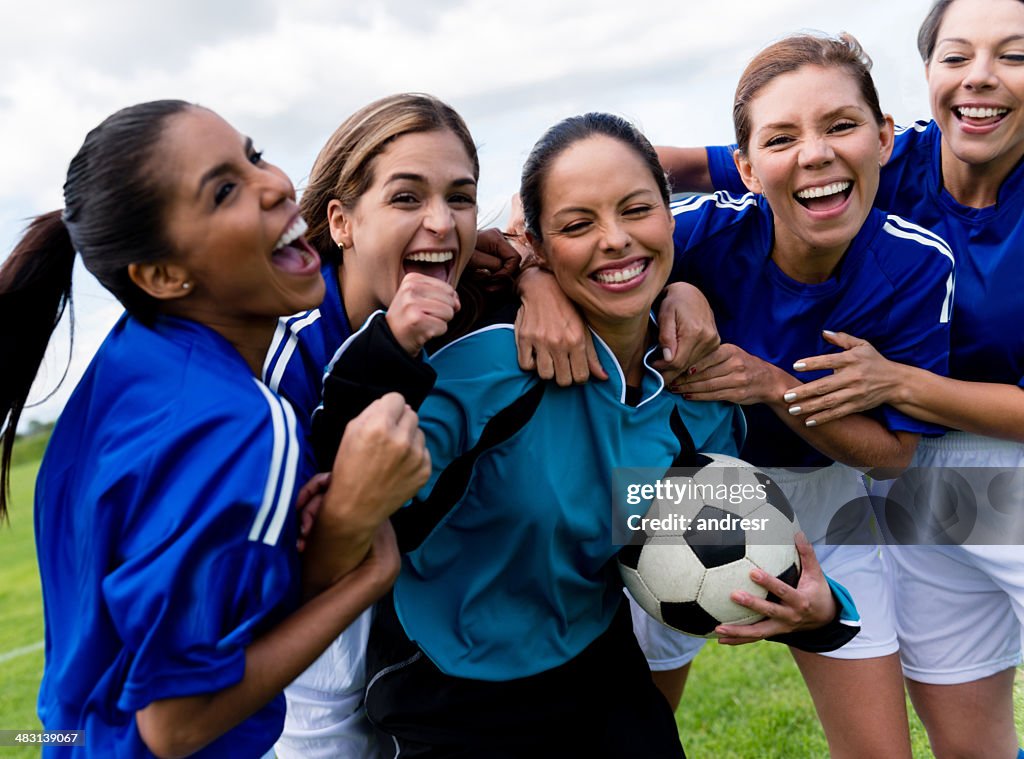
(114, 204)
(35, 288)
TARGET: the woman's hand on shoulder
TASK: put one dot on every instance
(551, 336)
(808, 606)
(686, 330)
(421, 310)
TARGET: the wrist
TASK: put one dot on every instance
(531, 277)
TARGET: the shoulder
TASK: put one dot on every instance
(916, 133)
(700, 217)
(904, 246)
(721, 204)
(489, 349)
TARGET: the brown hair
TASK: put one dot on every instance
(343, 169)
(792, 53)
(928, 34)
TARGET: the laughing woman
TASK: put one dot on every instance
(806, 253)
(961, 176)
(164, 524)
(509, 634)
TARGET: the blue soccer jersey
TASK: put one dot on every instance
(165, 534)
(893, 287)
(303, 346)
(986, 343)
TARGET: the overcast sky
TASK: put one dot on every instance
(287, 73)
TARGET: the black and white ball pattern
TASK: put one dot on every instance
(684, 578)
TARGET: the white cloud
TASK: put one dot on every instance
(288, 73)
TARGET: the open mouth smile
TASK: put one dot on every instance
(433, 263)
(623, 276)
(292, 253)
(824, 197)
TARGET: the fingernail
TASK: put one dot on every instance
(667, 353)
(688, 396)
(810, 423)
(799, 366)
(828, 332)
(789, 397)
(794, 410)
(757, 574)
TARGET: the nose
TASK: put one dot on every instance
(614, 237)
(816, 152)
(980, 74)
(438, 219)
(274, 186)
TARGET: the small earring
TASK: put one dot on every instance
(341, 246)
(186, 285)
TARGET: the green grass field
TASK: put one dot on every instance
(740, 703)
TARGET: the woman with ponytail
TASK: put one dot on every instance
(176, 610)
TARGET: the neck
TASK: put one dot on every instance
(628, 342)
(251, 338)
(810, 267)
(355, 299)
(975, 185)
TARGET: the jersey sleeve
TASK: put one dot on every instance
(918, 330)
(724, 174)
(841, 630)
(207, 557)
(367, 366)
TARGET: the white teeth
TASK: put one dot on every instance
(981, 113)
(295, 231)
(820, 192)
(620, 275)
(429, 257)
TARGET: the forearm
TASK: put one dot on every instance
(180, 726)
(855, 440)
(687, 168)
(984, 408)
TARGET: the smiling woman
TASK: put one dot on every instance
(166, 540)
(508, 633)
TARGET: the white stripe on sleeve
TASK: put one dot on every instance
(284, 496)
(276, 459)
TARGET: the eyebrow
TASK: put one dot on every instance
(835, 112)
(221, 168)
(962, 41)
(461, 182)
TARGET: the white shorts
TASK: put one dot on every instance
(664, 647)
(326, 716)
(960, 608)
(818, 497)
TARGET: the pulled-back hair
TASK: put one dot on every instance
(113, 216)
(795, 52)
(343, 169)
(564, 135)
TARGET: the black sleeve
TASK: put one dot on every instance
(828, 638)
(368, 366)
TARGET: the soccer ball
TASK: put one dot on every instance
(700, 539)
